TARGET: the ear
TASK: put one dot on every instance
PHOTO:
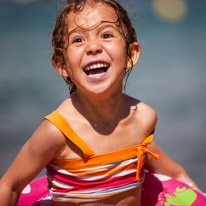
(58, 63)
(62, 71)
(134, 51)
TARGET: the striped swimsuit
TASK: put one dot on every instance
(94, 177)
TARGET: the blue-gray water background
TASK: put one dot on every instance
(170, 77)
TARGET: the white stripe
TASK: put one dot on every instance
(58, 183)
(99, 168)
(118, 173)
(98, 177)
(60, 170)
(111, 165)
(88, 194)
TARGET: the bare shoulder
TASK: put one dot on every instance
(143, 114)
(49, 135)
(47, 139)
(148, 112)
(148, 116)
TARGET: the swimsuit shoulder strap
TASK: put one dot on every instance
(148, 139)
(60, 122)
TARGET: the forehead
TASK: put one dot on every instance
(92, 15)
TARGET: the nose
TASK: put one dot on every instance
(93, 48)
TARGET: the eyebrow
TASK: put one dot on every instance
(101, 24)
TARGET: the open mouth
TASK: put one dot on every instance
(96, 69)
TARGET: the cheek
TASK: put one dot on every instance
(73, 56)
(67, 65)
(119, 50)
(72, 62)
(120, 55)
(69, 59)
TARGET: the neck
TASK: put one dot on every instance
(101, 113)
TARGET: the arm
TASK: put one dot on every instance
(40, 149)
(165, 165)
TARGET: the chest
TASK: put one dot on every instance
(104, 141)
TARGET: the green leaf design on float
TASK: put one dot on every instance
(181, 197)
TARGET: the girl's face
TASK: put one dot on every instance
(95, 58)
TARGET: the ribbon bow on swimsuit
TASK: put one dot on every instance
(141, 149)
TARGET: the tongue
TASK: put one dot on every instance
(95, 71)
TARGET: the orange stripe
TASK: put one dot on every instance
(106, 172)
(97, 160)
(102, 159)
(53, 185)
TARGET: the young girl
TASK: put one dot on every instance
(95, 144)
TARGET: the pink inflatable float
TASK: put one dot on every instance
(161, 190)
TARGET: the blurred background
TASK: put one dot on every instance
(170, 75)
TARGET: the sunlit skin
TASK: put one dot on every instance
(94, 37)
(101, 115)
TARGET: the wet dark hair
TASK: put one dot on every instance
(61, 29)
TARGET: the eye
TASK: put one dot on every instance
(107, 35)
(77, 40)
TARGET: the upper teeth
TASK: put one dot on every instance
(95, 66)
